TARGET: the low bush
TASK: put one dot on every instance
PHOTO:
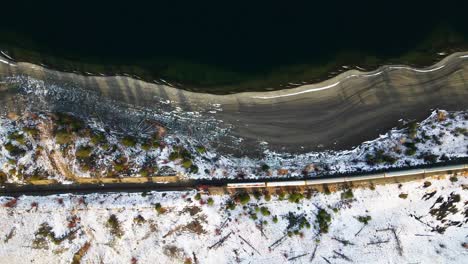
(265, 211)
(243, 197)
(63, 137)
(257, 194)
(114, 225)
(231, 205)
(129, 141)
(427, 184)
(14, 150)
(97, 138)
(210, 201)
(403, 195)
(323, 220)
(364, 219)
(31, 131)
(295, 197)
(18, 137)
(275, 219)
(265, 167)
(187, 164)
(453, 178)
(83, 152)
(158, 207)
(296, 222)
(348, 194)
(201, 149)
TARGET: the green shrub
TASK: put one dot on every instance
(403, 195)
(187, 164)
(114, 225)
(129, 141)
(253, 216)
(265, 167)
(265, 211)
(174, 155)
(119, 167)
(230, 205)
(70, 121)
(427, 184)
(146, 146)
(453, 178)
(210, 201)
(197, 197)
(243, 197)
(323, 220)
(63, 137)
(348, 194)
(201, 149)
(158, 207)
(364, 219)
(97, 138)
(296, 221)
(83, 152)
(194, 169)
(413, 129)
(295, 197)
(275, 219)
(18, 137)
(267, 196)
(31, 131)
(257, 194)
(144, 173)
(281, 195)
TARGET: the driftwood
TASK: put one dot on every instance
(343, 256)
(378, 242)
(359, 230)
(220, 242)
(277, 242)
(313, 253)
(247, 242)
(326, 259)
(399, 248)
(296, 257)
(260, 227)
(342, 241)
(224, 223)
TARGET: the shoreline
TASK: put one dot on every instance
(290, 76)
(338, 113)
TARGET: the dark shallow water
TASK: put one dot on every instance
(228, 43)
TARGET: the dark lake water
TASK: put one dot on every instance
(225, 42)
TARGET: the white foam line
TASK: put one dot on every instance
(463, 56)
(350, 76)
(429, 70)
(6, 55)
(373, 74)
(297, 93)
(416, 70)
(7, 62)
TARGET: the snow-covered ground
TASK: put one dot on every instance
(430, 224)
(30, 150)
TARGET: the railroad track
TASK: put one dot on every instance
(186, 185)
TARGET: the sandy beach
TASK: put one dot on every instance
(335, 114)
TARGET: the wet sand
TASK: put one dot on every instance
(335, 114)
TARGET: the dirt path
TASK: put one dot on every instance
(56, 158)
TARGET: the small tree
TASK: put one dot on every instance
(210, 201)
(323, 220)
